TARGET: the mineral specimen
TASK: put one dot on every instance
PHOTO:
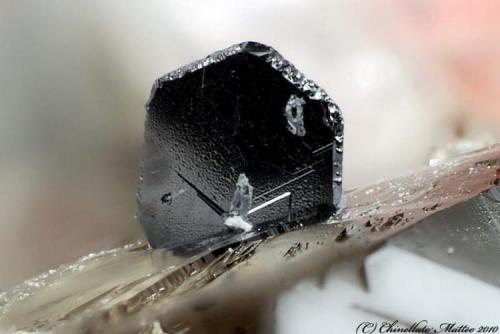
(238, 142)
(135, 289)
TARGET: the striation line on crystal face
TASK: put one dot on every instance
(220, 211)
(271, 201)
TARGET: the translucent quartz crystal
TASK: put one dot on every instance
(469, 230)
(243, 111)
(136, 289)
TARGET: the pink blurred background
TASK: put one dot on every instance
(410, 76)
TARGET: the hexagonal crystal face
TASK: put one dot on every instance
(238, 142)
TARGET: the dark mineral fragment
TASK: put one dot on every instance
(238, 142)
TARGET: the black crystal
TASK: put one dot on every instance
(240, 136)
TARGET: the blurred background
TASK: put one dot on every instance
(410, 76)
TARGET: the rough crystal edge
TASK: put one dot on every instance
(29, 287)
(294, 76)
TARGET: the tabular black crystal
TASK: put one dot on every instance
(237, 141)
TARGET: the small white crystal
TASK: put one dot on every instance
(238, 222)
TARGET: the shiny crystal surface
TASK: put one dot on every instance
(136, 289)
(241, 112)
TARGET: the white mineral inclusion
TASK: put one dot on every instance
(242, 198)
(238, 222)
(240, 205)
(294, 113)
